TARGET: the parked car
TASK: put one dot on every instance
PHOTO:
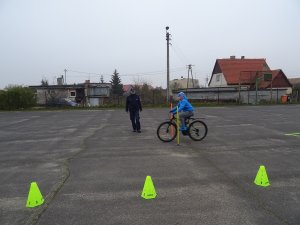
(69, 102)
(62, 102)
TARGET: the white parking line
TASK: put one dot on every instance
(18, 121)
(236, 125)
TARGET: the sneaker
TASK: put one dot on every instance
(139, 131)
(184, 132)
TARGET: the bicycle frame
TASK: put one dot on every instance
(187, 120)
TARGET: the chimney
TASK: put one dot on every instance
(60, 80)
(242, 57)
(232, 57)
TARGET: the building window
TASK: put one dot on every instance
(73, 93)
(218, 77)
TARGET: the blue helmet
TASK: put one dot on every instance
(181, 94)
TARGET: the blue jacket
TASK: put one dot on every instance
(183, 105)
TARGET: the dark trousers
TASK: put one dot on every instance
(183, 115)
(135, 119)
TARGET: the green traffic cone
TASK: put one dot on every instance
(35, 197)
(148, 190)
(261, 178)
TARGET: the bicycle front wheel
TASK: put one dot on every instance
(166, 131)
(197, 130)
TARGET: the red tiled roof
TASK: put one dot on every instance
(232, 68)
(127, 87)
(266, 84)
(279, 80)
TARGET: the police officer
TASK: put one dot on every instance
(133, 104)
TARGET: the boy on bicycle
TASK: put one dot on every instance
(185, 109)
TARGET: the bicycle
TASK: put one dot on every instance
(196, 130)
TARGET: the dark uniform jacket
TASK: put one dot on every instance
(133, 103)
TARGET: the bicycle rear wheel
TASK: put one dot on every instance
(166, 131)
(197, 130)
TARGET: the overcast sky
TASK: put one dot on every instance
(41, 38)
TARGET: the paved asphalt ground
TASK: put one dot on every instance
(91, 168)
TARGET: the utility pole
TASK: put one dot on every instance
(65, 76)
(188, 80)
(168, 65)
(257, 79)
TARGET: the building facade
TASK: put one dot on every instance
(85, 94)
(183, 83)
(247, 73)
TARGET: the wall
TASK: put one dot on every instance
(249, 97)
(46, 95)
(182, 83)
(221, 82)
(99, 91)
(94, 101)
(246, 97)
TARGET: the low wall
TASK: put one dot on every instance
(234, 95)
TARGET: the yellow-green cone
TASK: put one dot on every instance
(35, 197)
(148, 190)
(261, 178)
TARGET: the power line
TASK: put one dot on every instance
(84, 72)
(179, 53)
(181, 58)
(152, 73)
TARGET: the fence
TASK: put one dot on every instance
(151, 97)
(236, 95)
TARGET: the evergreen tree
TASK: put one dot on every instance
(44, 82)
(117, 86)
